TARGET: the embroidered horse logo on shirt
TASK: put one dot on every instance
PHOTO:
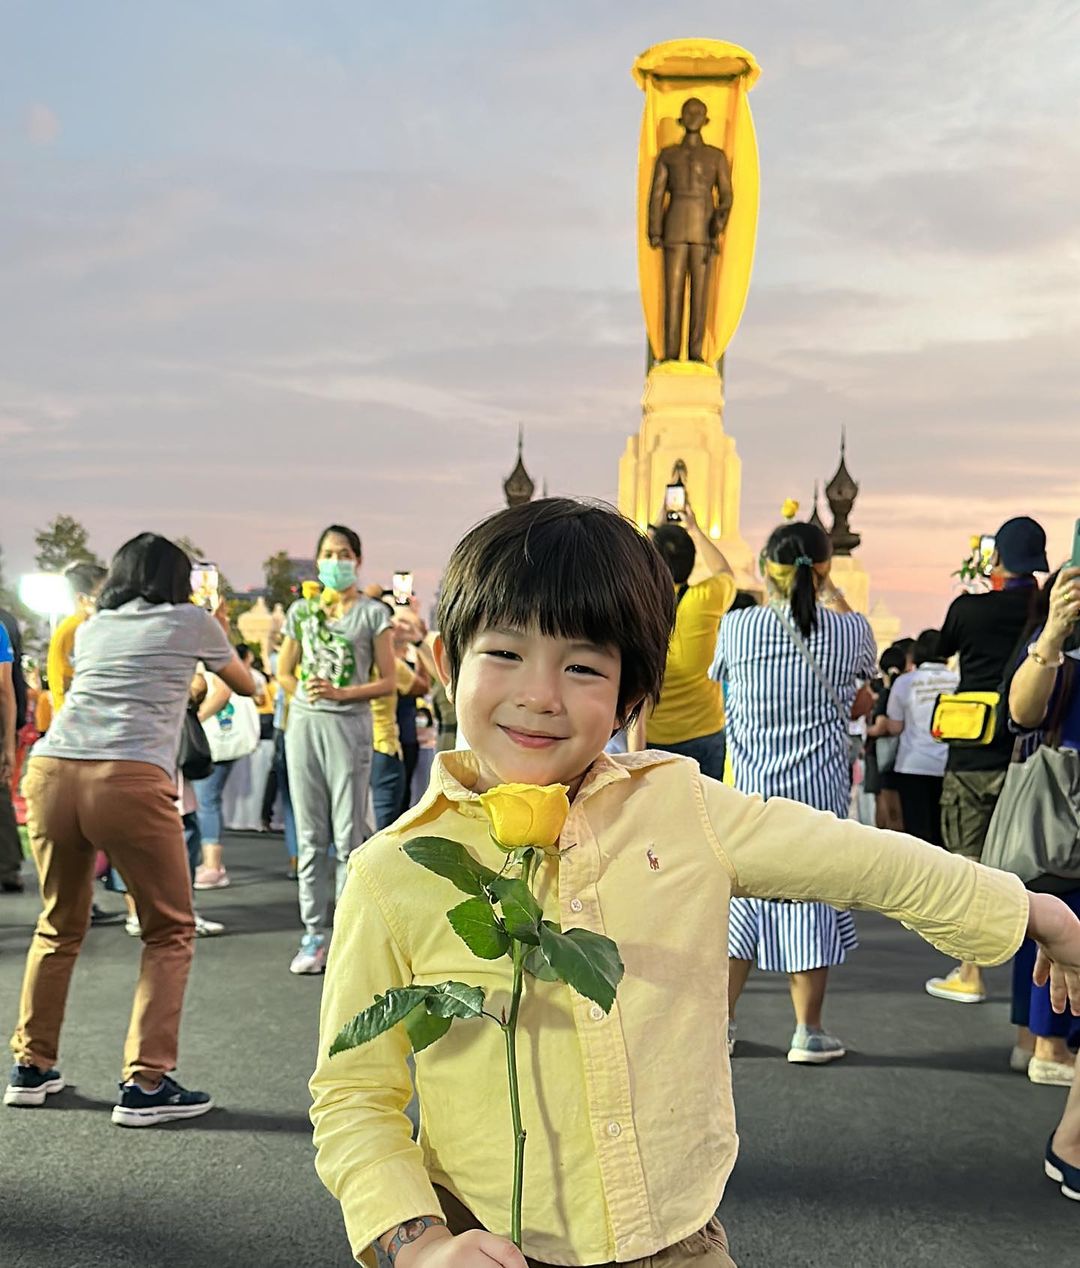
(654, 862)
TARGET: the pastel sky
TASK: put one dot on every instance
(267, 265)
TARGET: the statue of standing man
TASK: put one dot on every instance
(689, 205)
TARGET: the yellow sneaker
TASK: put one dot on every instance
(953, 988)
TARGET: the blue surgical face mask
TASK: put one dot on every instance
(337, 574)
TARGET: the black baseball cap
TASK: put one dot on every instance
(1021, 546)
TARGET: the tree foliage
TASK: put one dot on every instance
(282, 581)
(64, 541)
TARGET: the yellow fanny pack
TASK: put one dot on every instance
(966, 719)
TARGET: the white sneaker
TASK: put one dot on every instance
(1051, 1073)
(207, 928)
(132, 926)
(1019, 1059)
(731, 1029)
(311, 958)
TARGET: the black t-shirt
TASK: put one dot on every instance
(985, 629)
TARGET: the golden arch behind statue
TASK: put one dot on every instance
(721, 75)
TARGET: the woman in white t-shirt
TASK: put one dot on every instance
(919, 770)
(105, 778)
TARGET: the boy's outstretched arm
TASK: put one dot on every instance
(783, 849)
(1056, 930)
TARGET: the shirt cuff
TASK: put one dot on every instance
(382, 1197)
(999, 918)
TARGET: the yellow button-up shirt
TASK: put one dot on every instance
(630, 1120)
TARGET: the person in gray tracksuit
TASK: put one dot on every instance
(325, 664)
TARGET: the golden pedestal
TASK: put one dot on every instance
(683, 420)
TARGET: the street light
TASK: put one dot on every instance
(48, 594)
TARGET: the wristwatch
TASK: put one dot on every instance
(1041, 660)
(409, 1232)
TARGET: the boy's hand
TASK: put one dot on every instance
(439, 1248)
(1057, 931)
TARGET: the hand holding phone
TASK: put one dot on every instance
(205, 583)
(674, 501)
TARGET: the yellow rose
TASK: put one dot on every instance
(975, 543)
(330, 597)
(523, 814)
(790, 509)
(310, 589)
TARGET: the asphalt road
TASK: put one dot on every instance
(921, 1148)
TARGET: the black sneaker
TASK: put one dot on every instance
(30, 1086)
(136, 1108)
(13, 885)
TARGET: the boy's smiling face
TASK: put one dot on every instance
(535, 709)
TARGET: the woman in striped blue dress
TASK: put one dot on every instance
(787, 734)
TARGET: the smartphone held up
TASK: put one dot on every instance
(205, 585)
(674, 501)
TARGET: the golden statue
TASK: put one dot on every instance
(697, 196)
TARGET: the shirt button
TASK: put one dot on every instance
(575, 904)
(613, 1129)
(596, 1013)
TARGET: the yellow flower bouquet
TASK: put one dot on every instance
(500, 917)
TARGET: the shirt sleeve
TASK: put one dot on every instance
(898, 698)
(716, 595)
(292, 621)
(214, 646)
(949, 639)
(783, 849)
(365, 1154)
(59, 663)
(867, 666)
(7, 654)
(718, 669)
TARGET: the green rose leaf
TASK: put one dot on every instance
(521, 912)
(455, 999)
(475, 923)
(424, 1029)
(451, 860)
(379, 1017)
(535, 961)
(586, 961)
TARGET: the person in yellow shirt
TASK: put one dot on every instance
(689, 717)
(388, 764)
(85, 581)
(555, 619)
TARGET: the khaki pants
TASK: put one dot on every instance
(74, 809)
(968, 799)
(706, 1248)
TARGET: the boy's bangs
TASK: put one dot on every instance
(562, 594)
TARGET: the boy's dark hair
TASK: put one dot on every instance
(148, 567)
(676, 548)
(926, 647)
(572, 570)
(85, 577)
(351, 536)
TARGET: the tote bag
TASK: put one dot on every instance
(233, 732)
(1035, 830)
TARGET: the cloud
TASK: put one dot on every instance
(42, 124)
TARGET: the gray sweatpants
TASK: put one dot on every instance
(329, 759)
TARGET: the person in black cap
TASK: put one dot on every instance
(985, 629)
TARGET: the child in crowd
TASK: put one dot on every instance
(555, 619)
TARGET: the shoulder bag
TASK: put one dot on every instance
(193, 760)
(1035, 830)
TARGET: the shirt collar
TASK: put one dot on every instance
(454, 776)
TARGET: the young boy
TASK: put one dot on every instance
(555, 619)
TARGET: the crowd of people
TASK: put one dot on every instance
(573, 650)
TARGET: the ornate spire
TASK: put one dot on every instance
(815, 518)
(841, 492)
(518, 485)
